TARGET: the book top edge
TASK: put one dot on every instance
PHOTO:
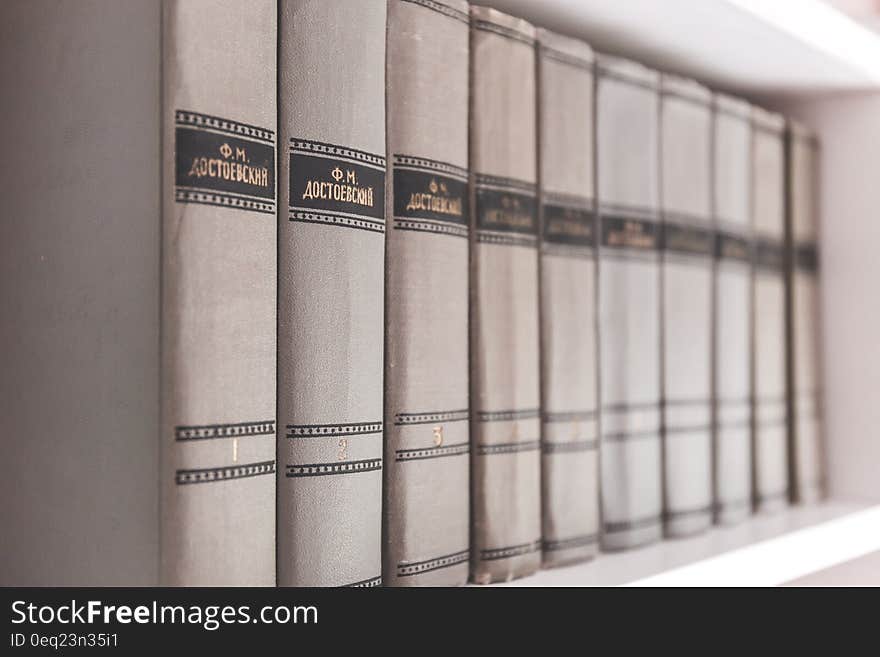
(566, 45)
(627, 68)
(502, 20)
(685, 87)
(733, 105)
(800, 130)
(767, 120)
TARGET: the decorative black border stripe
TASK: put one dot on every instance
(364, 583)
(431, 417)
(508, 415)
(332, 430)
(324, 149)
(584, 540)
(507, 239)
(617, 527)
(429, 165)
(686, 513)
(456, 449)
(508, 448)
(223, 200)
(233, 430)
(441, 8)
(569, 416)
(340, 468)
(493, 554)
(434, 227)
(408, 568)
(568, 251)
(626, 407)
(500, 30)
(686, 429)
(225, 473)
(566, 58)
(626, 436)
(484, 180)
(569, 447)
(199, 120)
(324, 218)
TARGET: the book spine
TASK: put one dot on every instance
(732, 327)
(569, 419)
(330, 293)
(806, 457)
(218, 294)
(505, 391)
(627, 121)
(427, 467)
(770, 406)
(686, 304)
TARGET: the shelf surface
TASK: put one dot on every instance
(757, 47)
(765, 550)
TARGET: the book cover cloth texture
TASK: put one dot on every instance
(427, 467)
(769, 298)
(629, 302)
(218, 293)
(688, 240)
(732, 326)
(569, 417)
(505, 391)
(331, 228)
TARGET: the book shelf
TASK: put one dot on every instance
(765, 550)
(819, 68)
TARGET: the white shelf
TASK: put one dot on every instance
(762, 551)
(763, 47)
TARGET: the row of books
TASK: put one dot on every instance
(573, 275)
(525, 302)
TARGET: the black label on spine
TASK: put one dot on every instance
(769, 255)
(223, 162)
(807, 257)
(568, 225)
(506, 212)
(429, 195)
(732, 247)
(630, 233)
(689, 240)
(330, 183)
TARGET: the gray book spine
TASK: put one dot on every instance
(769, 351)
(79, 384)
(505, 391)
(218, 293)
(733, 303)
(627, 146)
(686, 304)
(427, 467)
(807, 459)
(569, 425)
(330, 309)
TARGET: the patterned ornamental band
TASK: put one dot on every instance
(684, 239)
(631, 229)
(430, 196)
(336, 185)
(730, 246)
(568, 225)
(224, 163)
(806, 257)
(769, 255)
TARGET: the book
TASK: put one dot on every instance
(567, 218)
(218, 294)
(504, 378)
(627, 143)
(769, 352)
(686, 304)
(330, 291)
(806, 455)
(80, 287)
(427, 468)
(732, 308)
